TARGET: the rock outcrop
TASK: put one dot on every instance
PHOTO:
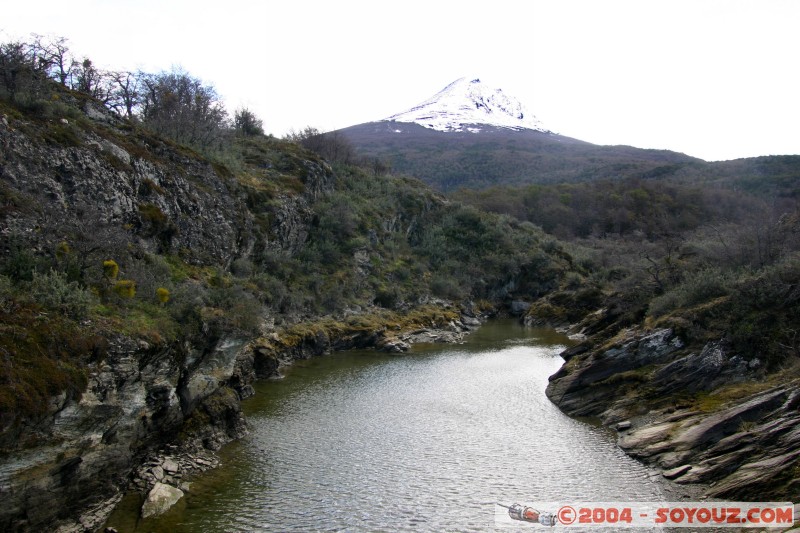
(87, 449)
(582, 386)
(701, 416)
(747, 450)
(107, 178)
(269, 355)
(101, 187)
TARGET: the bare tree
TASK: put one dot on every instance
(56, 54)
(125, 96)
(664, 269)
(332, 145)
(92, 81)
(180, 106)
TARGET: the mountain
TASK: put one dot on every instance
(470, 106)
(471, 135)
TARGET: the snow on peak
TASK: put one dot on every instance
(466, 103)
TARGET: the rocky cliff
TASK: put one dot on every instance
(700, 413)
(87, 187)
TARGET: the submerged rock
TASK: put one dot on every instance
(160, 498)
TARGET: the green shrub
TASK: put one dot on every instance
(772, 287)
(19, 263)
(242, 268)
(447, 287)
(387, 297)
(46, 360)
(232, 308)
(148, 187)
(62, 134)
(63, 250)
(54, 291)
(272, 290)
(158, 224)
(697, 288)
(153, 214)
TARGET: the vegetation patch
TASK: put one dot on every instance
(43, 356)
(727, 394)
(374, 322)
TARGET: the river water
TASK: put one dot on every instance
(429, 440)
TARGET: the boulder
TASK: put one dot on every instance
(170, 466)
(395, 346)
(470, 322)
(160, 498)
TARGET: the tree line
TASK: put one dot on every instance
(171, 103)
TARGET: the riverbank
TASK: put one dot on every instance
(219, 383)
(700, 414)
(364, 440)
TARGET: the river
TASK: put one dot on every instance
(428, 440)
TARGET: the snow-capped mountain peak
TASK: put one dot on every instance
(467, 105)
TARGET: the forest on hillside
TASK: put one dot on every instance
(715, 256)
(135, 205)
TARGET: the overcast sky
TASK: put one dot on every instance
(716, 79)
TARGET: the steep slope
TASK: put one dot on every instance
(113, 339)
(144, 286)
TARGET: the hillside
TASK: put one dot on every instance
(451, 160)
(149, 274)
(471, 136)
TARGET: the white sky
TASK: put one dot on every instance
(716, 79)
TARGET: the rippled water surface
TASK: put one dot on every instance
(429, 440)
